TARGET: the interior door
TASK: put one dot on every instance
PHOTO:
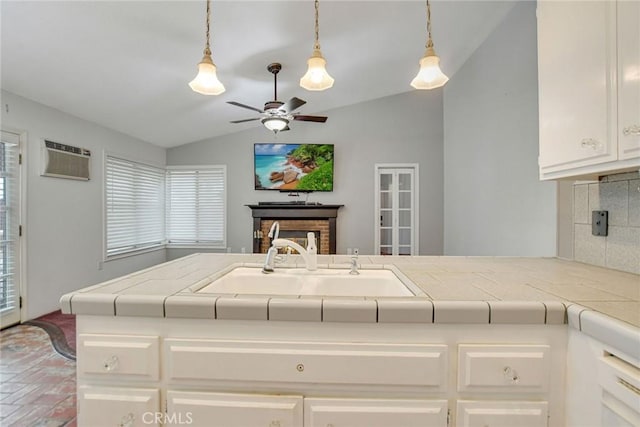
(9, 229)
(396, 210)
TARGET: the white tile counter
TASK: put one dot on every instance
(463, 290)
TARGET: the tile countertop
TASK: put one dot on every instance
(485, 289)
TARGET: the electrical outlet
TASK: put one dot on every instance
(599, 223)
(243, 250)
(349, 251)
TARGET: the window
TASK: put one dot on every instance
(196, 205)
(135, 205)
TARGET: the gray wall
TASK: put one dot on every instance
(494, 203)
(400, 128)
(619, 195)
(63, 220)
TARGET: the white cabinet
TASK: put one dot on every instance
(113, 356)
(501, 414)
(202, 409)
(628, 79)
(580, 110)
(375, 413)
(115, 406)
(423, 366)
(503, 368)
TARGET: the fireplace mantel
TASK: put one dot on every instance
(305, 213)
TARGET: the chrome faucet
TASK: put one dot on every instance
(310, 255)
(274, 231)
(354, 265)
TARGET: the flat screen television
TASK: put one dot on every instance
(293, 167)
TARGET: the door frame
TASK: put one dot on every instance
(416, 198)
(21, 268)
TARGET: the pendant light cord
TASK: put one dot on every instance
(429, 41)
(207, 49)
(316, 46)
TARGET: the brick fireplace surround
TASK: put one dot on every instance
(295, 221)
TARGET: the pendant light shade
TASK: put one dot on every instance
(206, 82)
(316, 78)
(430, 76)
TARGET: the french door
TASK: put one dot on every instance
(9, 229)
(396, 209)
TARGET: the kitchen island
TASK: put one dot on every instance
(488, 340)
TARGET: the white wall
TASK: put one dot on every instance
(63, 220)
(400, 128)
(494, 203)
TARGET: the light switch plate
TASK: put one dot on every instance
(599, 223)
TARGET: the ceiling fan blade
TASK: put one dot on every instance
(245, 120)
(292, 104)
(318, 119)
(237, 104)
(287, 128)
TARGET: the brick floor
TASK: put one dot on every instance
(37, 385)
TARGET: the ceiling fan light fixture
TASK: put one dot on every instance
(316, 77)
(430, 76)
(206, 82)
(275, 124)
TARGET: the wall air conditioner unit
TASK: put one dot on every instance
(65, 161)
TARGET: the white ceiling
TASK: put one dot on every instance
(126, 64)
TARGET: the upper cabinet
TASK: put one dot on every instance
(589, 88)
(629, 79)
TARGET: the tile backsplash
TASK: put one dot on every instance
(619, 195)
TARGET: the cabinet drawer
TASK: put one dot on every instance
(511, 368)
(111, 406)
(295, 362)
(119, 355)
(471, 413)
(374, 412)
(201, 409)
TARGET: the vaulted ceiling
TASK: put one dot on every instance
(126, 64)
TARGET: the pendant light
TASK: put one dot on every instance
(430, 76)
(317, 77)
(206, 82)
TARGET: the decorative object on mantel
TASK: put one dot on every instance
(277, 114)
(316, 77)
(295, 221)
(206, 82)
(430, 76)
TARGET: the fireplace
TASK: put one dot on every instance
(295, 220)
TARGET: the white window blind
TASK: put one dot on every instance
(135, 206)
(196, 211)
(9, 221)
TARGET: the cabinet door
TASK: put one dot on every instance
(628, 79)
(501, 414)
(113, 406)
(576, 77)
(200, 409)
(375, 413)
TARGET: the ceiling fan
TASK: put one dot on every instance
(276, 115)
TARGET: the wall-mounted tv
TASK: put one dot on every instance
(293, 167)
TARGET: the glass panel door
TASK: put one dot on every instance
(386, 183)
(395, 209)
(9, 229)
